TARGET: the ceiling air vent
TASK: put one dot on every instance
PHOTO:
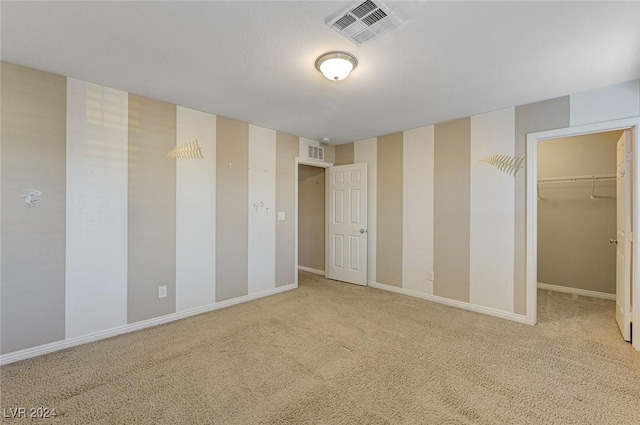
(364, 22)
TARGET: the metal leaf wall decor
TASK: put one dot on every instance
(191, 150)
(505, 163)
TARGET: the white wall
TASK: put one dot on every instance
(605, 103)
(195, 211)
(96, 220)
(492, 212)
(417, 209)
(262, 209)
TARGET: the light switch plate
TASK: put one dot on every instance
(281, 215)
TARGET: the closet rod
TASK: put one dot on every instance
(578, 178)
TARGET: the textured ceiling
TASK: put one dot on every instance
(254, 60)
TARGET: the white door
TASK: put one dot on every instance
(623, 236)
(347, 224)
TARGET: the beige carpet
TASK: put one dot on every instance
(334, 353)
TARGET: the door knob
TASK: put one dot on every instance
(362, 231)
(615, 241)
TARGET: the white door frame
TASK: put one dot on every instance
(319, 164)
(532, 211)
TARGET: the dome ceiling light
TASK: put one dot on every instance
(335, 65)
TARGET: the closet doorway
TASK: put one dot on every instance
(576, 227)
(575, 215)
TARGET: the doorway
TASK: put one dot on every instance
(631, 127)
(311, 219)
(335, 225)
(576, 228)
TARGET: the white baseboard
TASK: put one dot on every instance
(72, 342)
(576, 291)
(310, 270)
(452, 303)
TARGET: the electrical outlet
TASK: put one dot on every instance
(162, 292)
(431, 276)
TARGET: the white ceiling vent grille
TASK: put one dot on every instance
(311, 150)
(316, 152)
(364, 22)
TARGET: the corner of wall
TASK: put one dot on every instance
(344, 154)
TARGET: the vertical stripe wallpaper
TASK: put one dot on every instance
(262, 209)
(152, 209)
(389, 210)
(287, 147)
(195, 211)
(232, 198)
(97, 204)
(417, 209)
(34, 108)
(491, 257)
(452, 184)
(116, 221)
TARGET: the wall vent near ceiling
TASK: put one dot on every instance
(316, 152)
(364, 22)
(311, 150)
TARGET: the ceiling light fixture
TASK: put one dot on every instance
(336, 65)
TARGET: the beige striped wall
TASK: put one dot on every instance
(443, 209)
(287, 147)
(33, 240)
(389, 210)
(112, 147)
(436, 196)
(232, 197)
(452, 209)
(152, 188)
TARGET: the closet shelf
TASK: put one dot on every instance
(568, 179)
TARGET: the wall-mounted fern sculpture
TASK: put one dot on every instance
(505, 163)
(191, 150)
